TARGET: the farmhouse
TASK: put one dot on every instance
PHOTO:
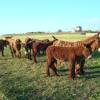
(78, 29)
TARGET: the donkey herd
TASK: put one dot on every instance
(73, 52)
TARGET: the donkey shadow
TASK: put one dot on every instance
(93, 72)
(96, 54)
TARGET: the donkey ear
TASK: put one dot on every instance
(54, 37)
(88, 45)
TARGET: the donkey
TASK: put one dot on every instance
(15, 46)
(70, 54)
(95, 45)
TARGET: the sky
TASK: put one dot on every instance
(19, 16)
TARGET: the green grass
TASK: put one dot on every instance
(21, 79)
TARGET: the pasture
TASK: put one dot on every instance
(21, 79)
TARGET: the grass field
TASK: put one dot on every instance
(71, 37)
(21, 79)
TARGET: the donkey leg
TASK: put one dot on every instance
(53, 67)
(82, 66)
(19, 54)
(34, 55)
(12, 52)
(49, 63)
(77, 69)
(16, 54)
(2, 52)
(47, 69)
(55, 70)
(72, 70)
(30, 56)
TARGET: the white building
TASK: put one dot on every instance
(78, 29)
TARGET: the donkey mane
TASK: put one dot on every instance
(77, 43)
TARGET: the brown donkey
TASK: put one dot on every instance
(70, 54)
(95, 45)
(36, 45)
(15, 46)
(3, 43)
(40, 46)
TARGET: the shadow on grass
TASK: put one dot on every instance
(95, 67)
(94, 73)
(96, 54)
(62, 70)
(93, 76)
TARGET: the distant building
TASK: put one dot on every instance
(78, 29)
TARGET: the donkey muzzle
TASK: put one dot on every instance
(89, 57)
